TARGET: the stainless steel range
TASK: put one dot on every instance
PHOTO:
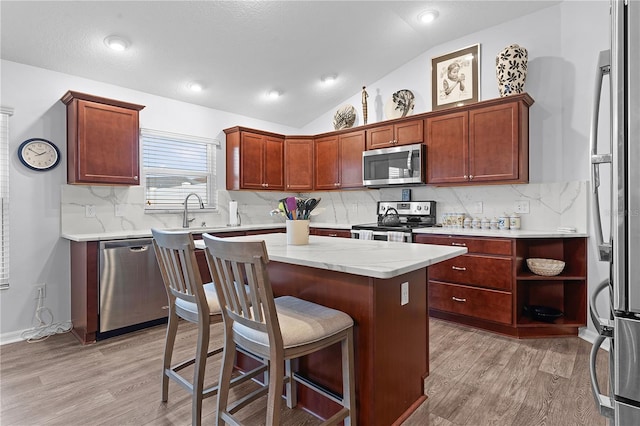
(395, 218)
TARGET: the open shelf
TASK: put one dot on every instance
(525, 321)
(530, 276)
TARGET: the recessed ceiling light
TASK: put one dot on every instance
(427, 16)
(273, 94)
(195, 86)
(329, 79)
(118, 43)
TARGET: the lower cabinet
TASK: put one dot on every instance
(491, 286)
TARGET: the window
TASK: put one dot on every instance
(175, 166)
(5, 113)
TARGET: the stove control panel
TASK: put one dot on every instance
(408, 208)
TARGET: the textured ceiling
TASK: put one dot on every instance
(239, 50)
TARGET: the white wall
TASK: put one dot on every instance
(37, 253)
(563, 42)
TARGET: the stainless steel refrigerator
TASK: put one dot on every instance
(621, 325)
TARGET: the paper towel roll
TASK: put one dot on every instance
(233, 213)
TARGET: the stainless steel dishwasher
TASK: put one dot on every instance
(131, 288)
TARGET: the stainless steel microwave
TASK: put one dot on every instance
(399, 165)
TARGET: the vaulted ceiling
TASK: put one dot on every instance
(240, 50)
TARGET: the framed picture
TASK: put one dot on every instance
(455, 78)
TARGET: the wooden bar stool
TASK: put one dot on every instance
(278, 330)
(195, 302)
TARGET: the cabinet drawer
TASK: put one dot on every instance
(491, 305)
(476, 270)
(474, 245)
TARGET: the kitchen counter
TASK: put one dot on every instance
(520, 233)
(143, 233)
(383, 287)
(369, 258)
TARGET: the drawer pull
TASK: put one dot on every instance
(457, 299)
(458, 268)
(333, 235)
(459, 244)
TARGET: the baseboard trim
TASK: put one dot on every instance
(590, 336)
(12, 337)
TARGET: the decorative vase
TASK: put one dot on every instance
(511, 69)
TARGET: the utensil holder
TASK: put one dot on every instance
(297, 232)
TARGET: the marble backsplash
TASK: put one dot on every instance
(550, 205)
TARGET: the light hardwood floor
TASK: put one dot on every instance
(477, 378)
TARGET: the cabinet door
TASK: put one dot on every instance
(404, 133)
(494, 148)
(273, 163)
(327, 165)
(351, 148)
(298, 164)
(106, 145)
(380, 137)
(447, 148)
(409, 132)
(252, 161)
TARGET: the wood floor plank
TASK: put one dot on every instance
(560, 357)
(477, 378)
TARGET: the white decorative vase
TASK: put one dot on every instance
(511, 69)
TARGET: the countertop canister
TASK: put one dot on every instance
(297, 232)
(514, 221)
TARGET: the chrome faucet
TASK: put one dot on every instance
(185, 219)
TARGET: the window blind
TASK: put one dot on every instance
(5, 113)
(176, 165)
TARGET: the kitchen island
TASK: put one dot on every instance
(366, 279)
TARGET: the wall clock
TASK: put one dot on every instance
(39, 154)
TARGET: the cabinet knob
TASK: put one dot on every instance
(266, 185)
(395, 142)
(465, 177)
(135, 178)
(470, 177)
(336, 184)
(458, 299)
(458, 268)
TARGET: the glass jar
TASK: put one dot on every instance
(485, 223)
(493, 224)
(476, 223)
(467, 223)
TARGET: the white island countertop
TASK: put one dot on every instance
(377, 259)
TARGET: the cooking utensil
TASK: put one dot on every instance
(283, 208)
(309, 205)
(291, 206)
(300, 203)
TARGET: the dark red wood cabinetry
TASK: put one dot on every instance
(401, 133)
(483, 143)
(490, 285)
(338, 161)
(102, 140)
(255, 160)
(298, 164)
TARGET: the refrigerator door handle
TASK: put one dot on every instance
(604, 68)
(603, 326)
(603, 402)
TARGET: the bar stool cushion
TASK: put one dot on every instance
(301, 323)
(212, 301)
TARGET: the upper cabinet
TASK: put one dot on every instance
(403, 133)
(484, 143)
(338, 161)
(102, 140)
(255, 160)
(298, 163)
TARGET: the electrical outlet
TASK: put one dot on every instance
(477, 207)
(521, 206)
(404, 293)
(120, 210)
(89, 210)
(40, 290)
